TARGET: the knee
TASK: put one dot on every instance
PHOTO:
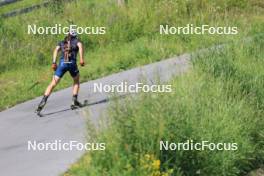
(76, 83)
(53, 84)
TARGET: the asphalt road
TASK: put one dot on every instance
(19, 124)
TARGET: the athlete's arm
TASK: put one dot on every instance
(79, 44)
(55, 53)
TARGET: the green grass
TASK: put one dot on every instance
(18, 5)
(219, 100)
(132, 38)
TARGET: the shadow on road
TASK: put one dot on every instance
(85, 105)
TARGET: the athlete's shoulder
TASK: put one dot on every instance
(76, 40)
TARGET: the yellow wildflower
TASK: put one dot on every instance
(156, 164)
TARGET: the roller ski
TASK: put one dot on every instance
(76, 104)
(41, 106)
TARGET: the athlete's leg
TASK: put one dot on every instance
(55, 80)
(52, 85)
(48, 91)
(73, 69)
(76, 84)
(75, 91)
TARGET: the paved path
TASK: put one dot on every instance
(19, 124)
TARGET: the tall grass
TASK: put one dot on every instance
(18, 5)
(220, 100)
(132, 38)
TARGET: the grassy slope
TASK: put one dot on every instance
(132, 38)
(220, 100)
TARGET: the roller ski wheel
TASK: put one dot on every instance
(77, 104)
(38, 112)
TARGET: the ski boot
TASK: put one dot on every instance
(41, 105)
(75, 103)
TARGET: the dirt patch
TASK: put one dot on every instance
(258, 172)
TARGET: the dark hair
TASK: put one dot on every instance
(67, 38)
(67, 47)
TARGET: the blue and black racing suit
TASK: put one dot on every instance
(68, 64)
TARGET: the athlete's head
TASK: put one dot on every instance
(73, 32)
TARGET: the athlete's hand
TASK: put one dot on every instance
(54, 66)
(82, 63)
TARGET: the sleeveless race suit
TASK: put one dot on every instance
(71, 64)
